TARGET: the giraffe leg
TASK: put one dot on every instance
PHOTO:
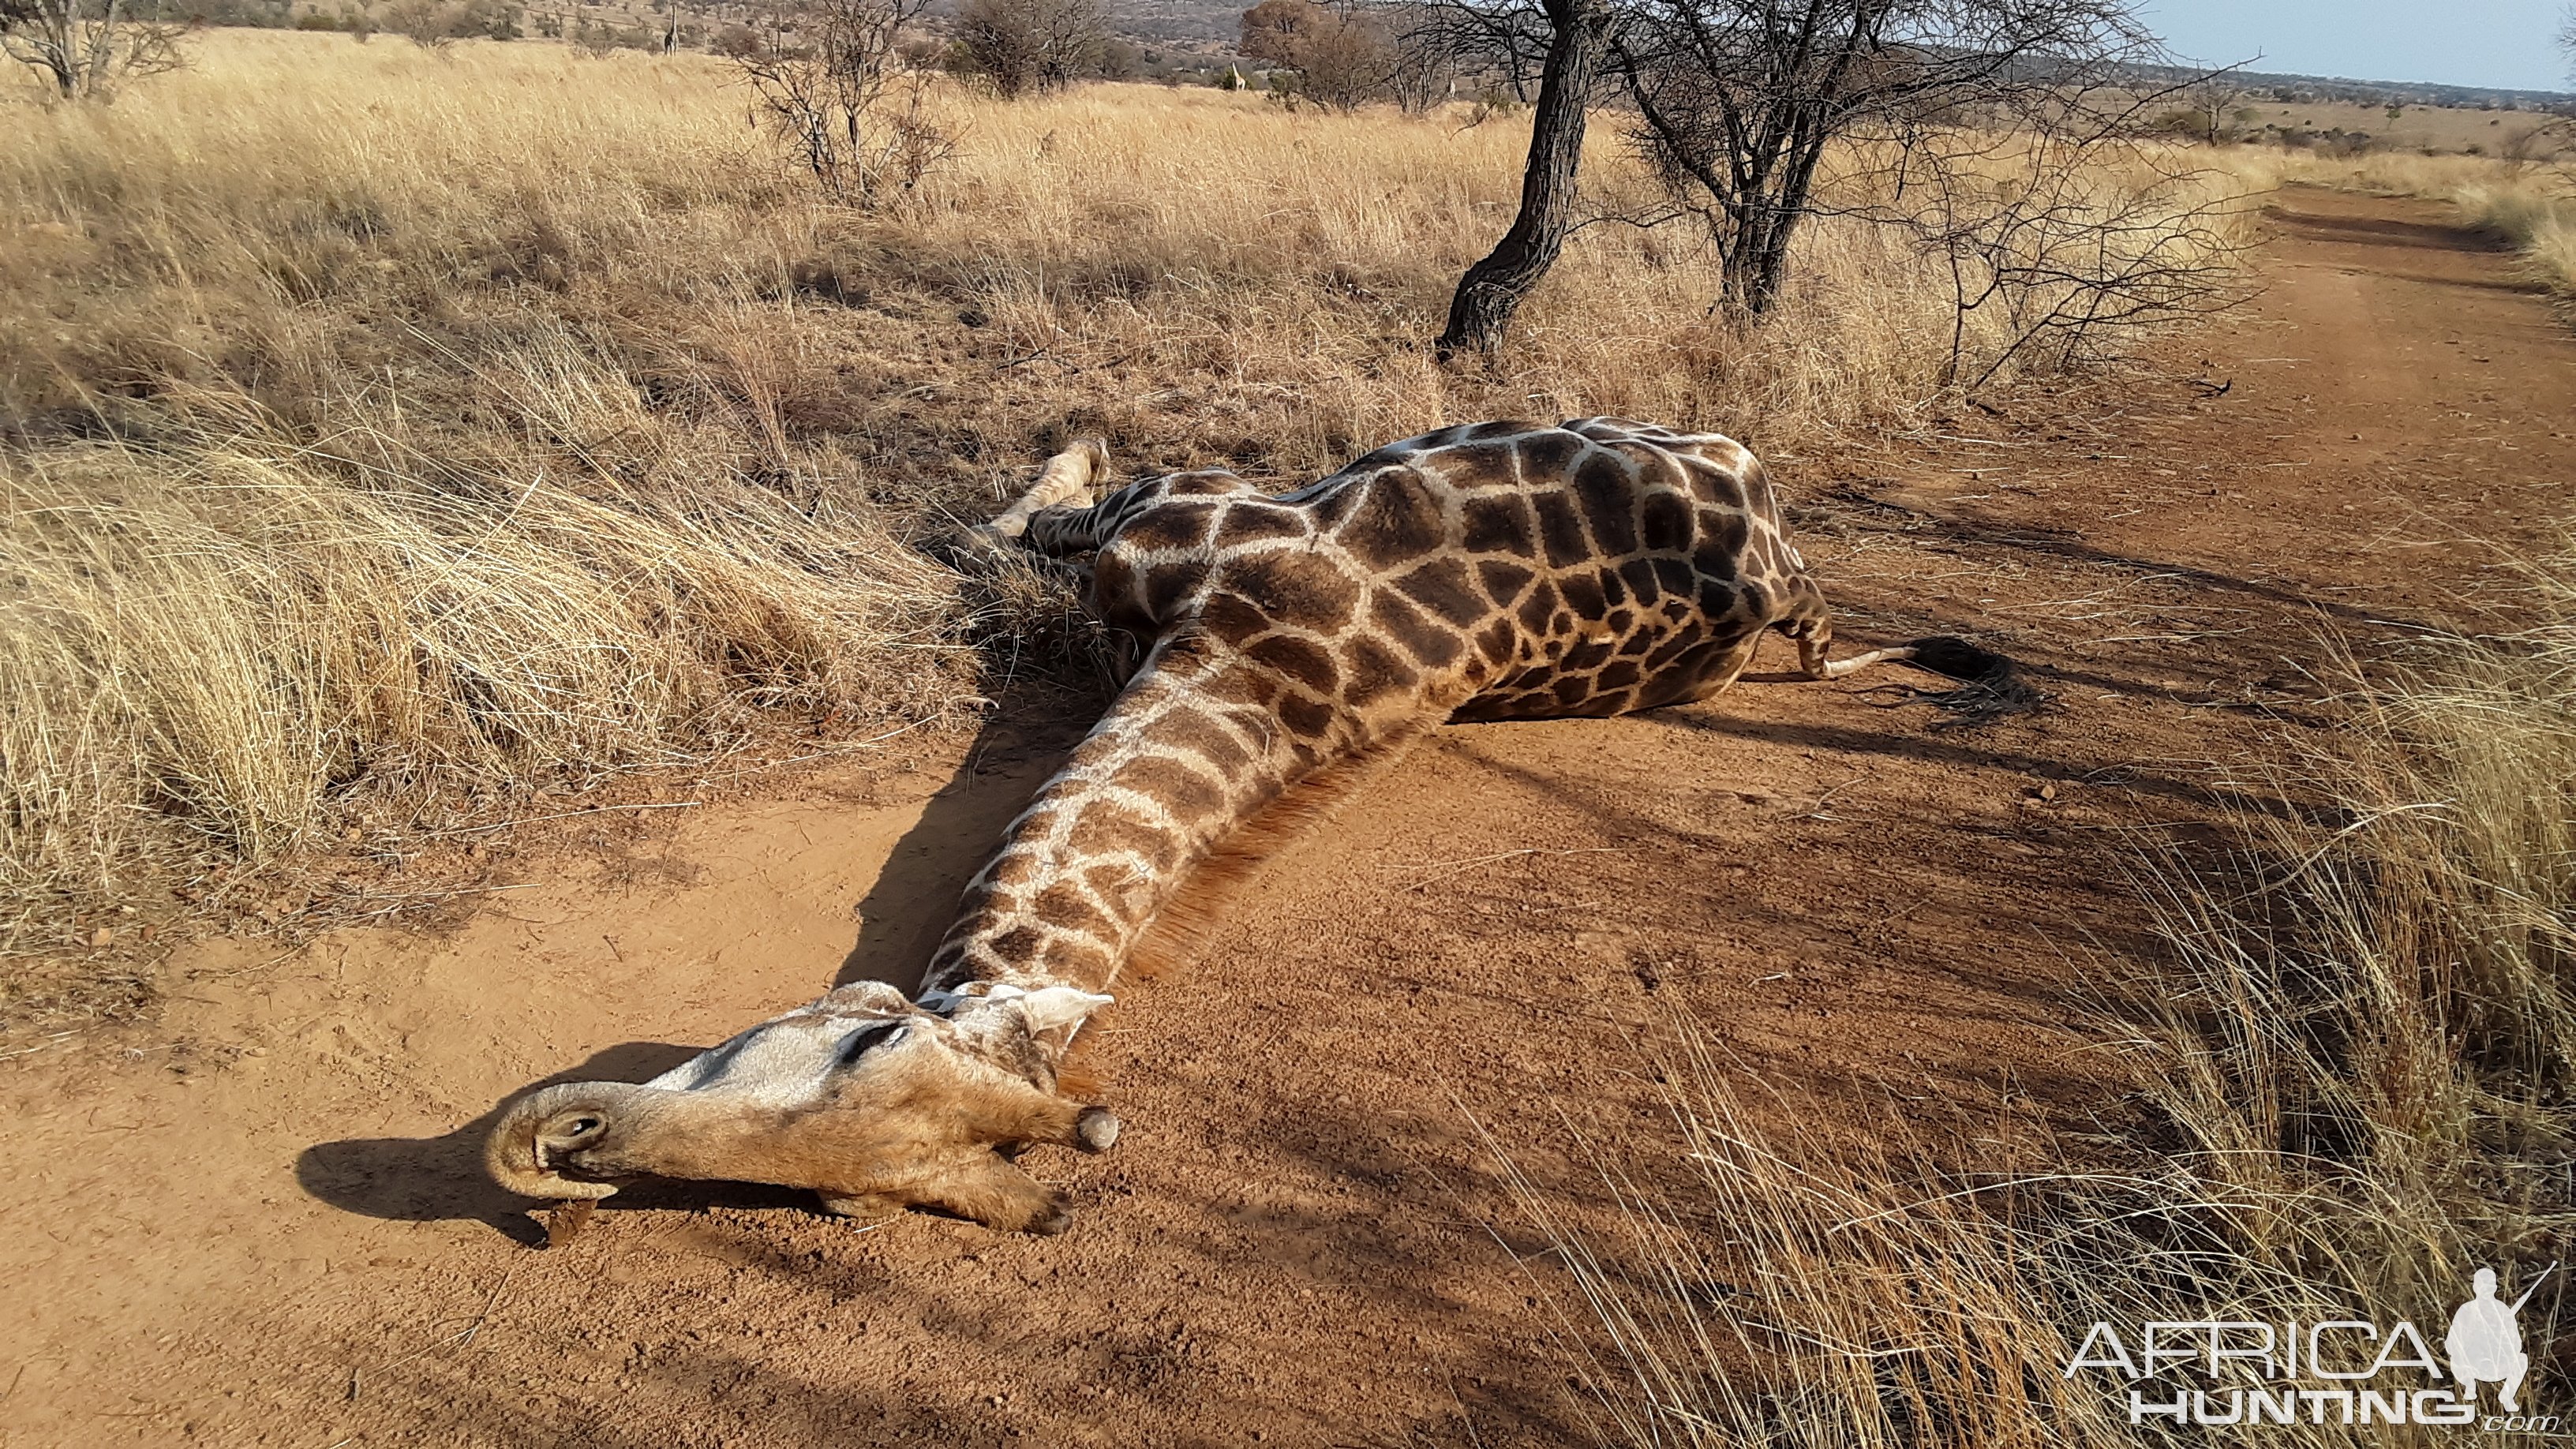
(1729, 668)
(1719, 676)
(1063, 486)
(1811, 625)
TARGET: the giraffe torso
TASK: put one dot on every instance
(1489, 572)
(1494, 571)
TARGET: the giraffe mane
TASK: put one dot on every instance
(1195, 912)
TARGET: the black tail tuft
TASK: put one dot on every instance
(1991, 684)
(1956, 657)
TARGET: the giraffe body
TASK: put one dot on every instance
(1488, 572)
(1499, 571)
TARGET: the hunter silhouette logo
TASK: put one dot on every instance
(2485, 1344)
(2337, 1370)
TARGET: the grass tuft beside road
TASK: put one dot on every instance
(2353, 1069)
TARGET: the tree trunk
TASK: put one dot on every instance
(102, 48)
(1493, 288)
(1763, 246)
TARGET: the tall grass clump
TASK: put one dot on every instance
(204, 649)
(2351, 1078)
(2538, 217)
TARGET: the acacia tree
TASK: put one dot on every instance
(1273, 30)
(830, 79)
(2216, 100)
(85, 49)
(1740, 103)
(1346, 55)
(1977, 129)
(1342, 58)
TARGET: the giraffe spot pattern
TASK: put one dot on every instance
(1500, 570)
(1495, 525)
(1446, 588)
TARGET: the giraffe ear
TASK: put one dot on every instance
(870, 996)
(1056, 1006)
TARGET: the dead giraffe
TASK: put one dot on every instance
(1499, 571)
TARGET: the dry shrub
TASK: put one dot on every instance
(1022, 47)
(2357, 1063)
(839, 95)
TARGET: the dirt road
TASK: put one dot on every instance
(260, 1221)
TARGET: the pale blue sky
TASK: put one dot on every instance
(2506, 43)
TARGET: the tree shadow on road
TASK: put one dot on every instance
(915, 897)
(2384, 231)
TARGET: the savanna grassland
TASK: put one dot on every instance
(398, 443)
(387, 425)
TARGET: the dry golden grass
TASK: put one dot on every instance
(208, 648)
(2357, 1056)
(1215, 277)
(377, 422)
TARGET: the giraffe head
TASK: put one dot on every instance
(875, 1101)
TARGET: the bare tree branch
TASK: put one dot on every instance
(832, 83)
(1741, 103)
(86, 49)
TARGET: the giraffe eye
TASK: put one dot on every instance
(860, 1043)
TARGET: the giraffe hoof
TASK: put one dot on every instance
(1096, 1130)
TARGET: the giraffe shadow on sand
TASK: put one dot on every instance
(1026, 736)
(442, 1178)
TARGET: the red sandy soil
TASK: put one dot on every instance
(259, 1220)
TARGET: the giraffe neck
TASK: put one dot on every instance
(1191, 751)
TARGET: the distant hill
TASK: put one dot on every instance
(1191, 24)
(2296, 89)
